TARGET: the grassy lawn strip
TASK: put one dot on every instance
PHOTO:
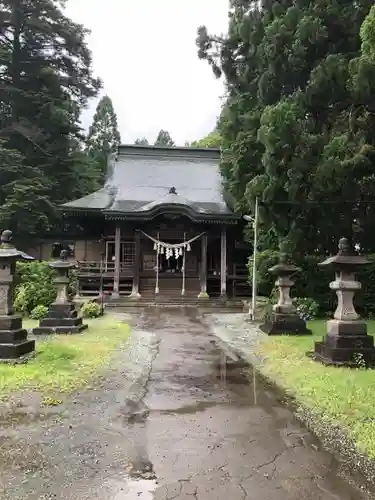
(64, 362)
(340, 395)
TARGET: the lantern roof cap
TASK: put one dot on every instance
(63, 262)
(345, 256)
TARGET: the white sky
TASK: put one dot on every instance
(145, 53)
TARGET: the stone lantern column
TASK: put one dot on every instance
(284, 319)
(62, 316)
(346, 332)
(14, 345)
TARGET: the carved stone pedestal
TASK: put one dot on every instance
(284, 319)
(14, 346)
(62, 316)
(346, 342)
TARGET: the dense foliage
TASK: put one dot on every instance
(313, 283)
(164, 139)
(212, 140)
(298, 127)
(141, 141)
(90, 309)
(45, 81)
(35, 288)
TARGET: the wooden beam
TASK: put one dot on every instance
(137, 264)
(116, 280)
(223, 263)
(203, 274)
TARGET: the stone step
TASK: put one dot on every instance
(175, 302)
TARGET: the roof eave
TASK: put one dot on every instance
(151, 214)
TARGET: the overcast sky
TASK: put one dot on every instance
(145, 53)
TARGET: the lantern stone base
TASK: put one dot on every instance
(14, 345)
(345, 341)
(61, 318)
(285, 324)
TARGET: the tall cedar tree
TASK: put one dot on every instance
(45, 80)
(164, 140)
(297, 128)
(103, 138)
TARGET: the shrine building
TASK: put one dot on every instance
(160, 226)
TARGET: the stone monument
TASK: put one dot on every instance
(284, 319)
(14, 345)
(346, 332)
(62, 315)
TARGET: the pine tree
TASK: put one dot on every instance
(164, 140)
(103, 137)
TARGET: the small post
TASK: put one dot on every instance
(102, 256)
(183, 268)
(203, 275)
(157, 267)
(137, 264)
(116, 277)
(254, 282)
(223, 266)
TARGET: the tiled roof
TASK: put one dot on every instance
(142, 180)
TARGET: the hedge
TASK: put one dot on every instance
(313, 282)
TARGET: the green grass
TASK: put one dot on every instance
(344, 396)
(64, 362)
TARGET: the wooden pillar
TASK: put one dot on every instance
(223, 263)
(137, 264)
(203, 274)
(116, 278)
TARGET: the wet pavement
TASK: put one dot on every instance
(173, 419)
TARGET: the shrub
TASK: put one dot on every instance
(90, 309)
(39, 312)
(34, 286)
(307, 308)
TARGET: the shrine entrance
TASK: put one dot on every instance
(175, 265)
(171, 264)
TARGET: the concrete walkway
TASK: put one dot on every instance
(168, 422)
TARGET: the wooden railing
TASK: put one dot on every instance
(94, 267)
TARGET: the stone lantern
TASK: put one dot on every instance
(62, 316)
(346, 332)
(14, 345)
(284, 319)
